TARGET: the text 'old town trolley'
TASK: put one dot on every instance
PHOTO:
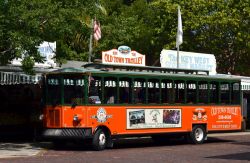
(102, 101)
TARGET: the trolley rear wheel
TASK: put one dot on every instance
(198, 135)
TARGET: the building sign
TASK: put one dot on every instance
(188, 60)
(153, 118)
(46, 50)
(123, 56)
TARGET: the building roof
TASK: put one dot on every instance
(73, 64)
(10, 75)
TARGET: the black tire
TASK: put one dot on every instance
(59, 143)
(99, 141)
(198, 135)
(110, 143)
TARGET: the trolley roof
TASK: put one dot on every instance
(97, 68)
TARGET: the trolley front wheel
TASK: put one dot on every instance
(99, 140)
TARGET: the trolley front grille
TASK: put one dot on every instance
(54, 118)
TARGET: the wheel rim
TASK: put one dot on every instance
(199, 134)
(102, 139)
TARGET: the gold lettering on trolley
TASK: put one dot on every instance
(224, 110)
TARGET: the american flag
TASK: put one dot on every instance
(97, 31)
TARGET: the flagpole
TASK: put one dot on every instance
(178, 49)
(179, 36)
(91, 41)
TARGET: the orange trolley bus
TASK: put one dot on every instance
(100, 102)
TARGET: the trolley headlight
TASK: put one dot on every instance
(77, 118)
(41, 117)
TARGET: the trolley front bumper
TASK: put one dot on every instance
(67, 133)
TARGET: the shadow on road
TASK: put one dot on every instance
(242, 143)
(218, 140)
(124, 143)
(22, 142)
(148, 142)
(238, 156)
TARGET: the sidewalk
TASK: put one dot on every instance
(13, 149)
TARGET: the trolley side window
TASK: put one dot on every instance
(191, 87)
(214, 92)
(179, 86)
(95, 90)
(225, 93)
(53, 90)
(153, 91)
(125, 90)
(140, 91)
(203, 92)
(73, 90)
(235, 93)
(110, 90)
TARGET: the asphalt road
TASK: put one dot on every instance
(218, 148)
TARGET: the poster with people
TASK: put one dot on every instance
(153, 118)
